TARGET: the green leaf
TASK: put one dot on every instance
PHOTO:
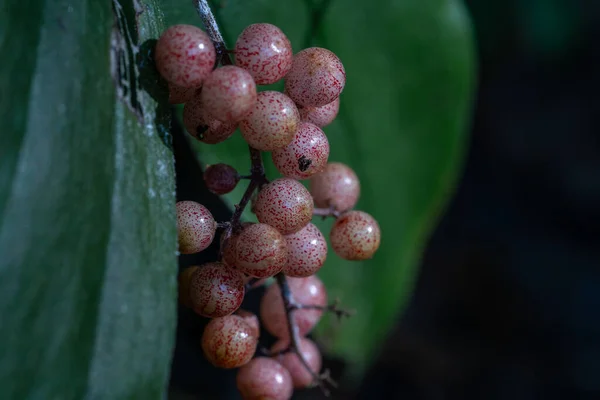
(87, 227)
(402, 126)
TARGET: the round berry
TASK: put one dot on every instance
(264, 379)
(317, 77)
(221, 178)
(307, 251)
(251, 319)
(228, 342)
(216, 290)
(301, 377)
(321, 116)
(184, 286)
(337, 186)
(185, 56)
(306, 154)
(179, 95)
(195, 227)
(260, 251)
(355, 235)
(305, 291)
(229, 93)
(265, 52)
(272, 122)
(285, 204)
(203, 126)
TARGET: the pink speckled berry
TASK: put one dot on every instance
(251, 319)
(265, 52)
(321, 116)
(272, 122)
(229, 93)
(307, 251)
(184, 280)
(355, 235)
(264, 379)
(221, 178)
(216, 290)
(260, 251)
(228, 342)
(306, 154)
(337, 186)
(179, 95)
(317, 77)
(301, 377)
(195, 227)
(285, 204)
(306, 291)
(203, 126)
(185, 56)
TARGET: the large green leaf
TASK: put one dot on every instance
(87, 227)
(402, 126)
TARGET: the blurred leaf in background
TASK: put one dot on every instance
(402, 126)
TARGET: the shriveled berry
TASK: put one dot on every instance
(260, 251)
(337, 186)
(264, 379)
(184, 55)
(272, 122)
(216, 290)
(301, 377)
(228, 342)
(307, 251)
(285, 204)
(203, 126)
(251, 319)
(179, 95)
(321, 116)
(184, 286)
(306, 291)
(265, 52)
(317, 77)
(355, 235)
(195, 227)
(229, 93)
(306, 154)
(221, 178)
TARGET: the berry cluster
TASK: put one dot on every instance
(283, 243)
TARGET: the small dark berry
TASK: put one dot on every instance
(221, 178)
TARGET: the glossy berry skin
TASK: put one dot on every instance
(321, 116)
(195, 227)
(307, 251)
(185, 56)
(306, 154)
(216, 290)
(264, 379)
(285, 204)
(203, 126)
(221, 178)
(317, 77)
(179, 95)
(265, 52)
(229, 93)
(355, 235)
(260, 251)
(301, 377)
(251, 319)
(307, 291)
(184, 286)
(272, 122)
(337, 186)
(228, 342)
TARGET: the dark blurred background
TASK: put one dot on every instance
(507, 304)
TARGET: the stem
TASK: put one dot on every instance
(326, 212)
(212, 28)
